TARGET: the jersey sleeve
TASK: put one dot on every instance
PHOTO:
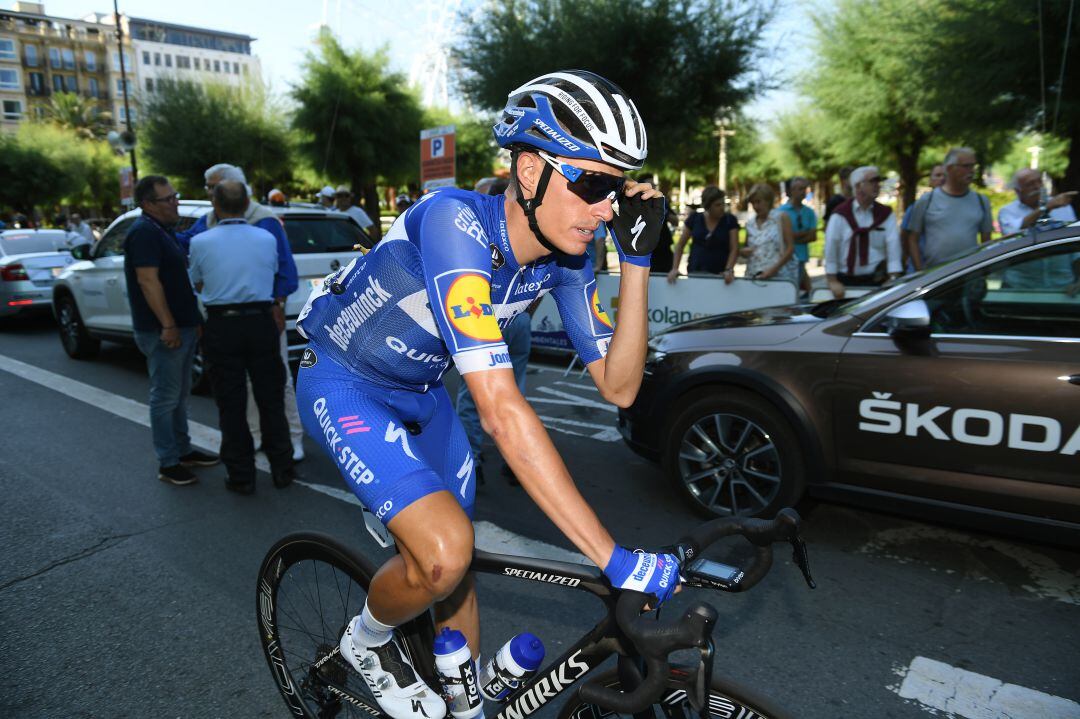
(583, 312)
(456, 257)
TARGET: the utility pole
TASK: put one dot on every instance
(721, 170)
(124, 87)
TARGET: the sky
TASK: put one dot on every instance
(284, 30)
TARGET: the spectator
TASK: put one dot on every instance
(803, 226)
(518, 337)
(233, 267)
(286, 281)
(343, 202)
(79, 227)
(167, 324)
(769, 241)
(862, 243)
(844, 195)
(953, 218)
(716, 238)
(276, 198)
(1028, 207)
(402, 203)
(937, 179)
(326, 197)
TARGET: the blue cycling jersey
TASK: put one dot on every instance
(440, 286)
(383, 330)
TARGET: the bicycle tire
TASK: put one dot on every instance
(314, 681)
(727, 700)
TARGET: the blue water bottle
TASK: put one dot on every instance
(518, 659)
(457, 671)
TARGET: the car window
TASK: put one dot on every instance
(18, 243)
(1033, 294)
(112, 244)
(324, 233)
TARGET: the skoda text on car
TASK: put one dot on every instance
(30, 261)
(90, 299)
(952, 395)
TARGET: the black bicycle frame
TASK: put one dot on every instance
(592, 650)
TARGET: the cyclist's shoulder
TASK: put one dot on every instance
(446, 206)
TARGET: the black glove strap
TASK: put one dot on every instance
(529, 206)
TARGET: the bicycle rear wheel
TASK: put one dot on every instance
(310, 586)
(727, 700)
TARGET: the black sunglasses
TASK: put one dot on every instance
(592, 187)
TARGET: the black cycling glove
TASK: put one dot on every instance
(636, 228)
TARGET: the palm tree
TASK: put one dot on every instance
(83, 115)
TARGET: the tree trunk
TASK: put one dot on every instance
(371, 206)
(908, 165)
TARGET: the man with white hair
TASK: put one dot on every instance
(1028, 207)
(952, 217)
(862, 242)
(286, 282)
(326, 197)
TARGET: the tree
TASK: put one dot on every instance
(188, 127)
(681, 61)
(358, 120)
(82, 115)
(32, 174)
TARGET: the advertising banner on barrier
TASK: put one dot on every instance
(688, 299)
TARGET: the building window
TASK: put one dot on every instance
(245, 69)
(236, 68)
(92, 84)
(183, 62)
(116, 61)
(168, 61)
(71, 84)
(120, 87)
(31, 55)
(91, 61)
(54, 58)
(9, 79)
(157, 59)
(197, 64)
(69, 58)
(149, 84)
(217, 66)
(12, 110)
(37, 83)
(145, 57)
(7, 49)
(123, 114)
(58, 83)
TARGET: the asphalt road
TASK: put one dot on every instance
(121, 596)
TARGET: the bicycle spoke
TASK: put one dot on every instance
(318, 592)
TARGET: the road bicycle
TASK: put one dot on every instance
(310, 586)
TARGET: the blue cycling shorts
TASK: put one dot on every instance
(392, 446)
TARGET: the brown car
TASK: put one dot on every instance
(953, 394)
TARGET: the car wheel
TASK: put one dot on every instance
(73, 335)
(733, 454)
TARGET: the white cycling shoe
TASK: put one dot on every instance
(391, 678)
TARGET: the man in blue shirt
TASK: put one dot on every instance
(166, 320)
(803, 226)
(233, 266)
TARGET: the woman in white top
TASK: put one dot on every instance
(770, 242)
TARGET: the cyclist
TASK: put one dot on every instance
(452, 270)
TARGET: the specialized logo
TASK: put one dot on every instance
(309, 358)
(980, 427)
(424, 357)
(354, 314)
(465, 472)
(469, 308)
(497, 259)
(598, 309)
(351, 464)
(542, 577)
(637, 229)
(548, 129)
(399, 434)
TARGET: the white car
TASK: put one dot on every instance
(30, 260)
(90, 298)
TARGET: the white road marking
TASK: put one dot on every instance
(941, 687)
(575, 385)
(488, 536)
(604, 434)
(580, 401)
(1048, 580)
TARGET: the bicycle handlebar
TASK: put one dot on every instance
(655, 640)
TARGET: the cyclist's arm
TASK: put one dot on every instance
(525, 445)
(618, 375)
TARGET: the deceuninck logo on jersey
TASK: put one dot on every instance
(469, 308)
(598, 309)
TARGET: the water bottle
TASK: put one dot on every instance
(518, 659)
(457, 671)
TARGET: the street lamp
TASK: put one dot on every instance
(128, 136)
(721, 161)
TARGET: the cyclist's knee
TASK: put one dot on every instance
(441, 571)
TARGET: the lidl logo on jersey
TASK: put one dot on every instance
(598, 309)
(469, 308)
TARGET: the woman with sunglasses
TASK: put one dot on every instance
(454, 269)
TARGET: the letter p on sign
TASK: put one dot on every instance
(438, 146)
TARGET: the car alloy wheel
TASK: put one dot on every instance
(73, 336)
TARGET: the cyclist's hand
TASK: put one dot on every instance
(636, 227)
(656, 574)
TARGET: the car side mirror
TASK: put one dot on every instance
(81, 252)
(911, 319)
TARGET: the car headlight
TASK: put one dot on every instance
(653, 358)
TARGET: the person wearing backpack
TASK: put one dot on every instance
(953, 218)
(862, 241)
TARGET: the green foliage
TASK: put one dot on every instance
(474, 145)
(188, 128)
(681, 61)
(80, 114)
(29, 174)
(358, 120)
(1054, 158)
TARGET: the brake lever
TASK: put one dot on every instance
(802, 559)
(699, 698)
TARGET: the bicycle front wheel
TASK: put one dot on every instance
(727, 700)
(310, 586)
